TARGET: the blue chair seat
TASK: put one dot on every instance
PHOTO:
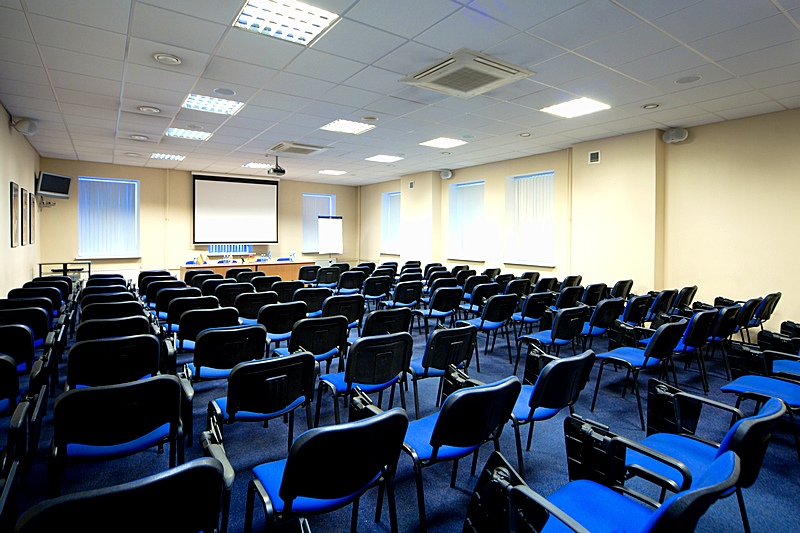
(270, 475)
(522, 409)
(208, 372)
(314, 314)
(418, 437)
(115, 450)
(593, 331)
(545, 337)
(634, 356)
(783, 366)
(348, 291)
(433, 313)
(696, 455)
(786, 391)
(187, 346)
(517, 317)
(248, 321)
(162, 315)
(249, 416)
(597, 508)
(317, 357)
(395, 305)
(486, 325)
(278, 337)
(419, 370)
(339, 385)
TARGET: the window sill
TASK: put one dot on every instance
(539, 264)
(104, 257)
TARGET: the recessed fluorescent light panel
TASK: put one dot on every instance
(212, 105)
(576, 108)
(257, 165)
(347, 126)
(193, 135)
(288, 20)
(443, 142)
(333, 172)
(168, 157)
(384, 158)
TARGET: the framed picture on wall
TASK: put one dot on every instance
(14, 215)
(24, 222)
(32, 220)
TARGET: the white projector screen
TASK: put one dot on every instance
(329, 230)
(231, 210)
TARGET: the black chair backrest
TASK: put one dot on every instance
(500, 307)
(226, 347)
(379, 358)
(280, 317)
(450, 346)
(312, 296)
(481, 293)
(234, 272)
(568, 297)
(367, 264)
(445, 299)
(33, 301)
(154, 286)
(165, 296)
(194, 321)
(107, 297)
(622, 288)
(664, 340)
(491, 273)
(561, 381)
(147, 280)
(63, 287)
(504, 279)
(377, 286)
(366, 269)
(518, 286)
(439, 283)
(112, 310)
(433, 275)
(381, 271)
(352, 279)
(385, 321)
(545, 284)
(249, 303)
(571, 281)
(463, 275)
(433, 267)
(636, 309)
(34, 318)
(473, 281)
(209, 286)
(684, 297)
(246, 275)
(98, 362)
(535, 304)
(9, 380)
(65, 279)
(190, 274)
(286, 289)
(106, 289)
(197, 485)
(749, 438)
(227, 293)
(473, 415)
(99, 282)
(699, 328)
(16, 341)
(531, 275)
(409, 275)
(199, 279)
(343, 267)
(606, 312)
(747, 311)
(270, 385)
(593, 293)
(319, 335)
(767, 306)
(355, 467)
(568, 322)
(307, 273)
(350, 306)
(328, 275)
(51, 293)
(146, 273)
(178, 306)
(104, 328)
(408, 292)
(662, 302)
(725, 324)
(264, 283)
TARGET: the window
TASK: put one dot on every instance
(313, 206)
(530, 210)
(390, 228)
(466, 221)
(108, 218)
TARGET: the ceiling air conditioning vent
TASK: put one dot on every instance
(288, 147)
(466, 73)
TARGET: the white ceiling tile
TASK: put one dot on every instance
(420, 95)
(228, 70)
(710, 91)
(97, 112)
(653, 9)
(357, 41)
(275, 100)
(23, 73)
(258, 49)
(676, 59)
(710, 17)
(763, 33)
(587, 22)
(88, 84)
(78, 38)
(564, 68)
(302, 86)
(393, 106)
(14, 25)
(376, 79)
(111, 15)
(764, 59)
(709, 73)
(524, 50)
(31, 90)
(409, 58)
(466, 28)
(212, 10)
(350, 96)
(14, 101)
(324, 66)
(736, 101)
(154, 77)
(783, 91)
(523, 14)
(596, 84)
(168, 27)
(20, 52)
(410, 17)
(77, 63)
(629, 45)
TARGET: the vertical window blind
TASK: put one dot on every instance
(108, 217)
(533, 223)
(390, 238)
(466, 221)
(313, 206)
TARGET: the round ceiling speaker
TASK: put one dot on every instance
(446, 174)
(675, 135)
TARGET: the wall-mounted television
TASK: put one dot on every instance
(53, 185)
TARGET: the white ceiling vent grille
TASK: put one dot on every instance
(288, 147)
(466, 73)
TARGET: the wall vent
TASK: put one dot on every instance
(466, 73)
(594, 157)
(289, 147)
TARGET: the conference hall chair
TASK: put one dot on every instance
(313, 297)
(227, 293)
(570, 281)
(438, 283)
(519, 286)
(307, 274)
(209, 286)
(113, 310)
(491, 273)
(324, 337)
(147, 280)
(458, 268)
(603, 315)
(374, 364)
(558, 386)
(471, 282)
(33, 301)
(51, 293)
(218, 350)
(264, 283)
(568, 296)
(343, 267)
(533, 308)
(495, 317)
(593, 293)
(462, 276)
(385, 321)
(445, 347)
(443, 305)
(656, 356)
(279, 319)
(367, 264)
(250, 303)
(720, 334)
(763, 312)
(101, 328)
(621, 289)
(327, 277)
(195, 321)
(567, 327)
(530, 275)
(681, 305)
(154, 286)
(624, 328)
(199, 279)
(178, 306)
(150, 273)
(247, 275)
(473, 306)
(350, 282)
(468, 418)
(661, 303)
(376, 289)
(286, 289)
(283, 486)
(234, 272)
(165, 297)
(111, 361)
(190, 274)
(350, 306)
(406, 294)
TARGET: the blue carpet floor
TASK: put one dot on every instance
(773, 502)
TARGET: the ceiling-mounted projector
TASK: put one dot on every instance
(277, 170)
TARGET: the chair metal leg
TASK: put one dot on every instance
(597, 385)
(638, 397)
(520, 461)
(423, 526)
(530, 437)
(354, 517)
(740, 499)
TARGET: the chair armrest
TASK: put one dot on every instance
(186, 387)
(168, 357)
(649, 475)
(213, 448)
(737, 413)
(531, 503)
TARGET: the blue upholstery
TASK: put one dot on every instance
(784, 366)
(418, 437)
(765, 386)
(125, 448)
(634, 356)
(209, 373)
(249, 416)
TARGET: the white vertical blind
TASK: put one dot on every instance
(313, 206)
(466, 221)
(390, 234)
(108, 217)
(533, 224)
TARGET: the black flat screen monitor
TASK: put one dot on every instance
(53, 185)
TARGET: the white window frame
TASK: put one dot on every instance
(314, 205)
(530, 211)
(108, 218)
(467, 222)
(390, 227)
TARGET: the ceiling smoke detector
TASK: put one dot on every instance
(466, 73)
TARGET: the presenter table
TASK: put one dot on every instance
(287, 270)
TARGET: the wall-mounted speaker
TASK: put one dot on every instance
(446, 174)
(675, 135)
(25, 126)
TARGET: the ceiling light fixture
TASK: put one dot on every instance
(384, 158)
(576, 108)
(332, 172)
(149, 109)
(443, 142)
(192, 135)
(257, 165)
(133, 154)
(224, 91)
(210, 104)
(525, 134)
(288, 20)
(651, 106)
(369, 118)
(167, 157)
(167, 59)
(688, 79)
(138, 137)
(347, 126)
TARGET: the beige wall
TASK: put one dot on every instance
(372, 221)
(19, 163)
(166, 217)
